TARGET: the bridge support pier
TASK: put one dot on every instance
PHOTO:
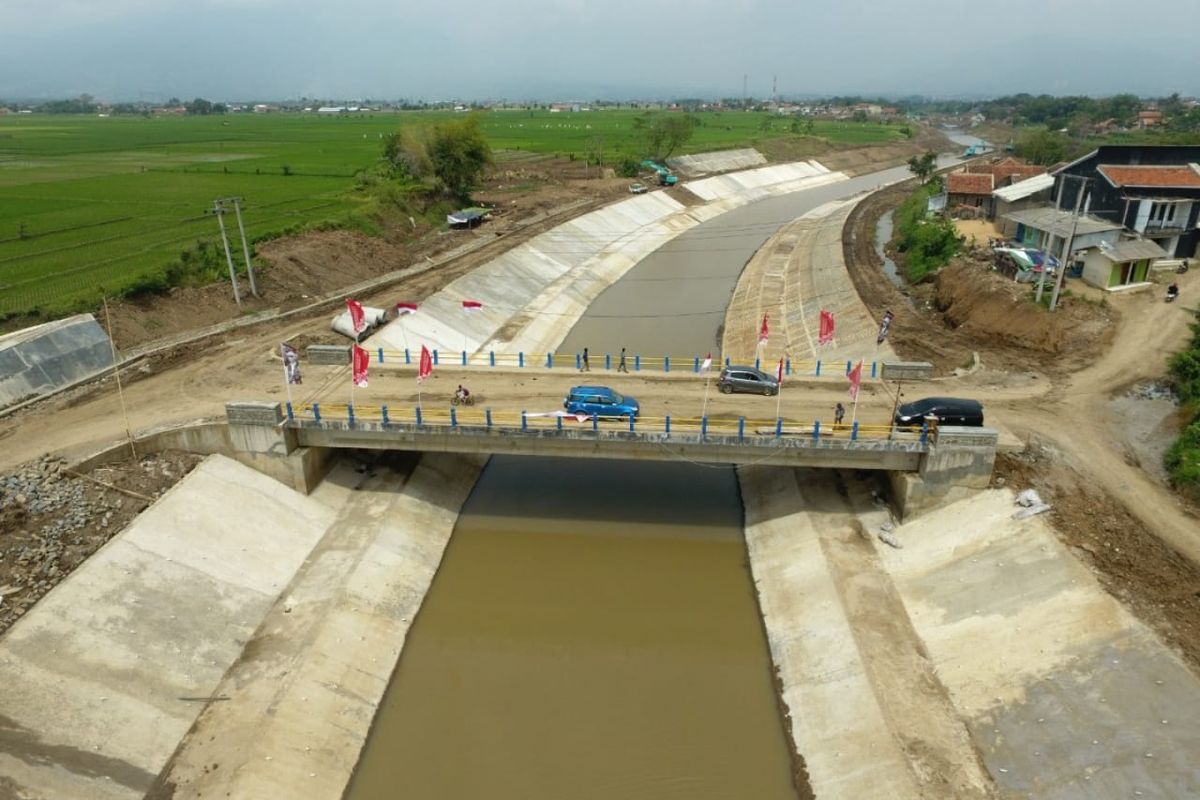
(959, 462)
(257, 438)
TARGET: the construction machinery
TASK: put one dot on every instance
(665, 178)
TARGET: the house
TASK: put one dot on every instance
(1030, 192)
(970, 189)
(1008, 170)
(1150, 190)
(1149, 119)
(1127, 263)
(1047, 229)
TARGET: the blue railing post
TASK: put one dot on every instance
(778, 427)
(464, 358)
(703, 427)
(407, 357)
(418, 416)
(317, 411)
(924, 432)
(816, 430)
(741, 428)
(637, 363)
(873, 365)
(787, 367)
(381, 355)
(549, 360)
(668, 425)
(291, 416)
(453, 417)
(488, 415)
(558, 422)
(521, 359)
(524, 422)
(854, 431)
(350, 414)
(757, 363)
(491, 358)
(631, 419)
(595, 423)
(666, 363)
(608, 360)
(727, 361)
(435, 357)
(849, 366)
(386, 420)
(696, 366)
(578, 361)
(818, 373)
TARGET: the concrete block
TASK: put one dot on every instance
(907, 371)
(335, 355)
(254, 413)
(43, 358)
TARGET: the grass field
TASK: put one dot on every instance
(91, 206)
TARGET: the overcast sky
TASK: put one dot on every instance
(586, 49)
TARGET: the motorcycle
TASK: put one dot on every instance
(1172, 293)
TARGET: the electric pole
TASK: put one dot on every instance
(237, 208)
(1062, 272)
(220, 212)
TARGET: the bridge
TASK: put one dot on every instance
(924, 466)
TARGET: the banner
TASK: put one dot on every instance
(764, 331)
(707, 365)
(884, 325)
(779, 373)
(291, 363)
(360, 363)
(405, 308)
(358, 320)
(855, 376)
(426, 367)
(825, 336)
(472, 305)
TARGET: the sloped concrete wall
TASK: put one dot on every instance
(45, 357)
(721, 161)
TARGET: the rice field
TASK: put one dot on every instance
(91, 205)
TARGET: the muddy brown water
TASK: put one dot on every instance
(592, 633)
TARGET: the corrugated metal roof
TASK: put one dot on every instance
(1132, 250)
(1058, 222)
(1022, 189)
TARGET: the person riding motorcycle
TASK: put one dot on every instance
(461, 393)
(1172, 292)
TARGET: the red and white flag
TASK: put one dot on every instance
(358, 320)
(825, 336)
(405, 308)
(360, 363)
(763, 331)
(707, 364)
(779, 373)
(426, 367)
(472, 305)
(855, 376)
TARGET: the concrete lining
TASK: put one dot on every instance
(719, 161)
(40, 359)
(108, 672)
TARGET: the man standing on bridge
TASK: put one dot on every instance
(585, 367)
(621, 367)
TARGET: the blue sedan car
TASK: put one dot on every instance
(600, 401)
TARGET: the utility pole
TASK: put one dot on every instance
(1057, 207)
(745, 77)
(1062, 272)
(219, 210)
(237, 207)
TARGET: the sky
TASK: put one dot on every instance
(230, 50)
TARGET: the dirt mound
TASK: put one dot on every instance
(989, 307)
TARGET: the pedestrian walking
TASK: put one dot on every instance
(585, 367)
(621, 367)
(839, 414)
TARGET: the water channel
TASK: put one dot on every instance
(593, 630)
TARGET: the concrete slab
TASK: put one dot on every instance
(45, 357)
(1066, 694)
(104, 676)
(720, 161)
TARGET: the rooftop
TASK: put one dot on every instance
(969, 183)
(1182, 176)
(1058, 222)
(1132, 250)
(1026, 188)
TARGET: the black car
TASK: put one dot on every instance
(947, 410)
(747, 379)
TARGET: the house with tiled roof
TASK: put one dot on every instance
(970, 189)
(1153, 191)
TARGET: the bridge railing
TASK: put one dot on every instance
(611, 362)
(485, 419)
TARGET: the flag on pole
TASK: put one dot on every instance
(291, 363)
(426, 367)
(779, 373)
(359, 365)
(358, 320)
(855, 376)
(707, 363)
(472, 305)
(825, 336)
(763, 331)
(405, 308)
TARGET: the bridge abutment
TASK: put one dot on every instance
(258, 439)
(959, 462)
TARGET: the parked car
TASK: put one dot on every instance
(947, 411)
(600, 401)
(747, 379)
(637, 188)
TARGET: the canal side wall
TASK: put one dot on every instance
(959, 464)
(303, 698)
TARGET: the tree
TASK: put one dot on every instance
(1045, 148)
(663, 134)
(923, 165)
(199, 106)
(459, 153)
